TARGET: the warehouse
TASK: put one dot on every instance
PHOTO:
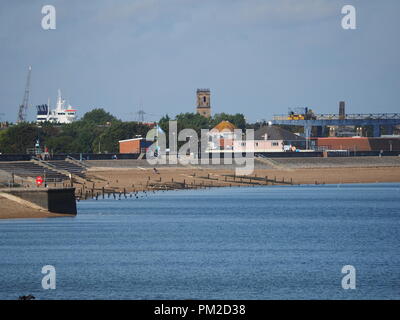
(357, 143)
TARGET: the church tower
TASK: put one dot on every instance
(203, 102)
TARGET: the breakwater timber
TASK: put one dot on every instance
(118, 177)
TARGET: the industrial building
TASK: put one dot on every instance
(356, 144)
(340, 121)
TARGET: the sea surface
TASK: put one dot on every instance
(277, 242)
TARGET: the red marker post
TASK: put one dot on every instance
(39, 181)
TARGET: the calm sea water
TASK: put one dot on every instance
(239, 243)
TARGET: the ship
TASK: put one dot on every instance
(63, 113)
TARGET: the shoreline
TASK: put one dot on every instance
(115, 182)
(145, 179)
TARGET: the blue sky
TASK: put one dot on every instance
(258, 57)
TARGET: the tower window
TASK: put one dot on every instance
(204, 99)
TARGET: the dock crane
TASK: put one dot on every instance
(23, 108)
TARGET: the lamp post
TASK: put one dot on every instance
(100, 143)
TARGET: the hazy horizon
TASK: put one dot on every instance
(257, 57)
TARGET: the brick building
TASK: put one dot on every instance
(135, 145)
(357, 143)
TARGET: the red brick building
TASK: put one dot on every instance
(135, 145)
(358, 143)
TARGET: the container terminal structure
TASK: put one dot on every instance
(322, 121)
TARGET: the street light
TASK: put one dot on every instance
(100, 143)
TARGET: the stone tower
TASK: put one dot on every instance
(203, 102)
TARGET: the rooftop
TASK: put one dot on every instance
(224, 126)
(275, 133)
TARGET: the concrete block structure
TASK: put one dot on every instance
(57, 200)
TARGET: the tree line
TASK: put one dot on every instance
(96, 132)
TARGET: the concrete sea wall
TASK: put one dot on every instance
(57, 200)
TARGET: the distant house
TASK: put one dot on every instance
(221, 137)
(271, 139)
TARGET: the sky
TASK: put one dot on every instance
(258, 57)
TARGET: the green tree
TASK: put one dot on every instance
(107, 141)
(61, 144)
(97, 131)
(237, 119)
(163, 122)
(19, 138)
(193, 121)
(98, 116)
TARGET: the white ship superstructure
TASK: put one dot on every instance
(63, 113)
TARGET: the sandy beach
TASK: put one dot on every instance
(146, 179)
(120, 180)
